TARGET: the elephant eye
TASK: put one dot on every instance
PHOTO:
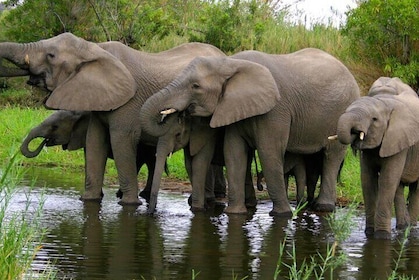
(374, 119)
(195, 86)
(50, 55)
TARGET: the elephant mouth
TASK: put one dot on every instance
(38, 81)
(357, 139)
(49, 142)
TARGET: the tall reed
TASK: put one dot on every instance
(20, 232)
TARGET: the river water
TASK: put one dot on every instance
(107, 241)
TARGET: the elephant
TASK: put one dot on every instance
(271, 103)
(306, 169)
(178, 137)
(112, 81)
(69, 129)
(384, 127)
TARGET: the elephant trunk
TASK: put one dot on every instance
(164, 147)
(24, 148)
(346, 131)
(156, 109)
(18, 54)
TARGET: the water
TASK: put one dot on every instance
(107, 241)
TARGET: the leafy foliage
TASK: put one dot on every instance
(131, 22)
(386, 31)
(233, 25)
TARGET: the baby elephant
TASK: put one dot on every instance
(69, 129)
(384, 126)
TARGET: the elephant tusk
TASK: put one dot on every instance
(27, 59)
(168, 111)
(333, 137)
(361, 136)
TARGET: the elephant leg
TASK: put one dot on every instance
(388, 181)
(235, 153)
(125, 152)
(314, 167)
(413, 200)
(300, 180)
(147, 154)
(402, 215)
(200, 170)
(271, 157)
(369, 183)
(250, 195)
(96, 152)
(334, 154)
(217, 180)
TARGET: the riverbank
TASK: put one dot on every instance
(17, 122)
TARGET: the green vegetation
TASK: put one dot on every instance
(20, 233)
(15, 125)
(379, 38)
(386, 33)
(319, 266)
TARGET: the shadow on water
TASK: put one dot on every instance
(107, 241)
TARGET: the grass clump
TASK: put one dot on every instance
(20, 233)
(318, 266)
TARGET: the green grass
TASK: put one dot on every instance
(17, 122)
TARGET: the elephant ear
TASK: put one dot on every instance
(200, 135)
(249, 91)
(78, 134)
(100, 83)
(403, 127)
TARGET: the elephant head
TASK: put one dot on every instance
(226, 89)
(66, 128)
(80, 75)
(387, 85)
(385, 121)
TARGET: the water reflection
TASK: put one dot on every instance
(107, 241)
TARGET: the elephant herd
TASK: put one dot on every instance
(299, 111)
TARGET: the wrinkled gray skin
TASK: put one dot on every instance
(178, 137)
(389, 152)
(69, 129)
(109, 79)
(272, 103)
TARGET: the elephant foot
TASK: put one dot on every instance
(236, 209)
(369, 232)
(198, 209)
(119, 194)
(91, 197)
(402, 226)
(146, 195)
(320, 207)
(287, 214)
(382, 234)
(251, 202)
(125, 201)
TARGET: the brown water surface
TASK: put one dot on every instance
(107, 241)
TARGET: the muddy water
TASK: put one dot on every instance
(107, 241)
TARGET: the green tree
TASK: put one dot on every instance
(131, 22)
(387, 32)
(232, 25)
(34, 20)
